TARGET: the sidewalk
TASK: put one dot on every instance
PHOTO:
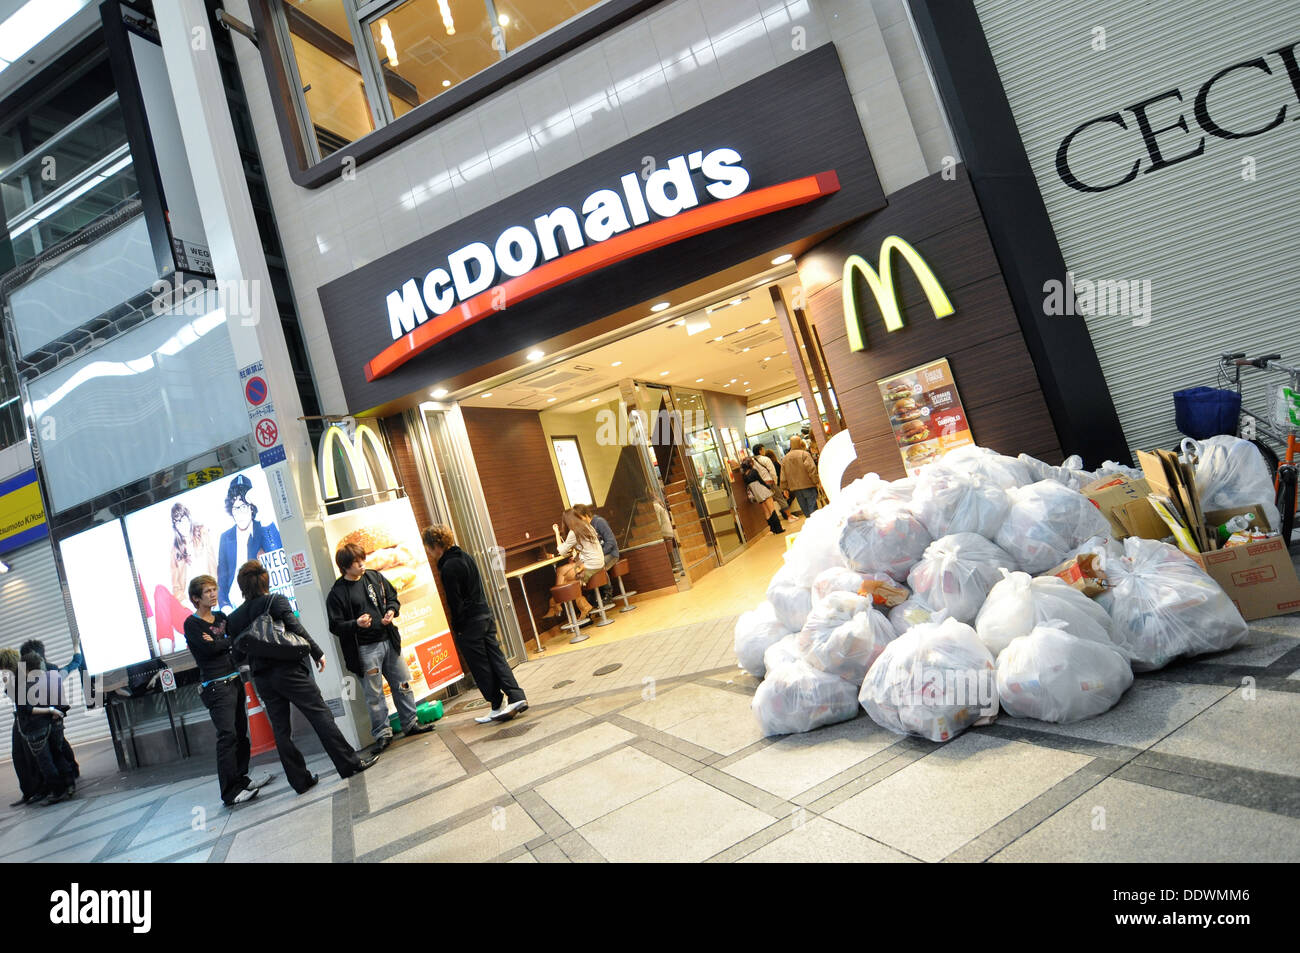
(661, 760)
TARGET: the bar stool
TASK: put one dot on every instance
(567, 595)
(618, 571)
(593, 585)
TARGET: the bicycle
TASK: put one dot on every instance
(1251, 424)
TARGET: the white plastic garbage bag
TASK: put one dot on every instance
(1231, 472)
(909, 613)
(1112, 469)
(782, 653)
(1006, 472)
(791, 601)
(1047, 521)
(935, 680)
(844, 646)
(836, 579)
(1018, 603)
(884, 537)
(1164, 606)
(956, 573)
(756, 631)
(815, 549)
(1054, 676)
(952, 501)
(1070, 473)
(797, 697)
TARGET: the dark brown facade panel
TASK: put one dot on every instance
(649, 568)
(407, 471)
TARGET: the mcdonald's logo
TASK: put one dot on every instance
(354, 457)
(882, 286)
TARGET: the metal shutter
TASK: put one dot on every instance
(1221, 252)
(32, 607)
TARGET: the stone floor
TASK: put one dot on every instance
(661, 760)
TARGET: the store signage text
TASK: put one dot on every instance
(1161, 143)
(882, 287)
(614, 226)
(22, 514)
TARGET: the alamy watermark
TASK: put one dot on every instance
(194, 298)
(1104, 297)
(620, 428)
(947, 688)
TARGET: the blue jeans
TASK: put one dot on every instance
(807, 499)
(380, 663)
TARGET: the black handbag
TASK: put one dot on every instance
(268, 638)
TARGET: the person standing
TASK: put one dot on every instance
(284, 682)
(40, 712)
(758, 492)
(30, 783)
(799, 476)
(222, 692)
(472, 626)
(362, 605)
(74, 663)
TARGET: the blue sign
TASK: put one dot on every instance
(271, 457)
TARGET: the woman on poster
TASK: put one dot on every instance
(192, 554)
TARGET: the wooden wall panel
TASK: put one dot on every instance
(982, 339)
(649, 568)
(407, 472)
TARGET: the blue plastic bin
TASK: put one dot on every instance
(1202, 412)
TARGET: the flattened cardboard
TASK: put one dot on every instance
(1109, 495)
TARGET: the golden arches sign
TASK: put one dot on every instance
(354, 458)
(882, 287)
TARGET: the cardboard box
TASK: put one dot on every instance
(1082, 573)
(1110, 494)
(1140, 519)
(1259, 578)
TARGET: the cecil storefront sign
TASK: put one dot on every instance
(718, 186)
(22, 514)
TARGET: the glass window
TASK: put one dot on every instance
(754, 425)
(783, 414)
(424, 48)
(576, 486)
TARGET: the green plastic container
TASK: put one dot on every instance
(425, 713)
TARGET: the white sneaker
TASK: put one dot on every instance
(515, 707)
(245, 795)
(260, 780)
(488, 719)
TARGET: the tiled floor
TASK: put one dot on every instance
(661, 760)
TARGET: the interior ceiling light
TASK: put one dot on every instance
(663, 373)
(617, 364)
(699, 380)
(503, 20)
(744, 350)
(550, 400)
(535, 355)
(782, 259)
(765, 321)
(386, 41)
(486, 396)
(678, 324)
(733, 380)
(736, 301)
(445, 9)
(446, 83)
(740, 330)
(440, 393)
(719, 337)
(660, 306)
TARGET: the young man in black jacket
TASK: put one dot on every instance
(473, 627)
(362, 605)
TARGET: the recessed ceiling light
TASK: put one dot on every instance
(678, 324)
(740, 330)
(765, 321)
(486, 396)
(782, 259)
(661, 306)
(617, 364)
(536, 355)
(595, 400)
(440, 393)
(699, 380)
(663, 373)
(719, 337)
(748, 390)
(726, 385)
(736, 301)
(785, 352)
(503, 20)
(746, 383)
(744, 350)
(550, 400)
(446, 83)
(733, 380)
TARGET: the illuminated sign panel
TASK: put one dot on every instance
(886, 294)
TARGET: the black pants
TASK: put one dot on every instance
(227, 704)
(30, 781)
(477, 644)
(280, 684)
(44, 740)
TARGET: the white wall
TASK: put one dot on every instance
(669, 60)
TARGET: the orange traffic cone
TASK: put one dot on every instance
(260, 736)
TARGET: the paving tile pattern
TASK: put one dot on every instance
(661, 760)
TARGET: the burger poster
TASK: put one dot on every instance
(211, 530)
(391, 539)
(925, 412)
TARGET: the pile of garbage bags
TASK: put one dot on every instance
(924, 602)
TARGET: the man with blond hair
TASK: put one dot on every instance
(473, 627)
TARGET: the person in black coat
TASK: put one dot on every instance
(473, 627)
(280, 682)
(30, 780)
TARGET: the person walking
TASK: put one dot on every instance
(758, 492)
(362, 605)
(222, 692)
(799, 476)
(472, 626)
(284, 682)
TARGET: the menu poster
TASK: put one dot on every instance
(388, 534)
(925, 412)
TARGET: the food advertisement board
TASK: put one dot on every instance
(925, 412)
(389, 535)
(211, 530)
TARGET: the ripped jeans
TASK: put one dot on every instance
(380, 662)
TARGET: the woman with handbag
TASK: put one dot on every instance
(269, 635)
(757, 491)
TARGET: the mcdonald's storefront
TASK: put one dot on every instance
(743, 272)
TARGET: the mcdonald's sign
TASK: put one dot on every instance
(882, 287)
(354, 457)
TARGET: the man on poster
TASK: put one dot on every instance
(362, 605)
(246, 539)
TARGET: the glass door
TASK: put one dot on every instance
(711, 462)
(452, 480)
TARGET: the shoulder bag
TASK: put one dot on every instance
(268, 638)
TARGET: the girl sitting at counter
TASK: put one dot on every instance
(589, 558)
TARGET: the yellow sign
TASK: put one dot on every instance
(22, 514)
(201, 477)
(354, 457)
(882, 286)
